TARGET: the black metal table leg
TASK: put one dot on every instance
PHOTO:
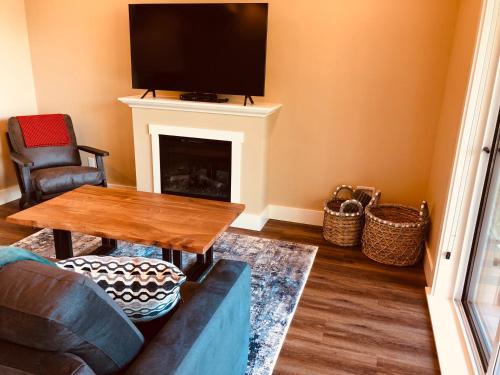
(209, 255)
(167, 255)
(63, 244)
(172, 256)
(108, 245)
(201, 258)
(203, 264)
(177, 258)
(197, 270)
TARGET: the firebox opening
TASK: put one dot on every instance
(195, 167)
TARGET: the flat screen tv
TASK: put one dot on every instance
(201, 48)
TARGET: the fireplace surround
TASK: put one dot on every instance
(245, 130)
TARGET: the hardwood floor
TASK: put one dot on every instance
(10, 233)
(355, 316)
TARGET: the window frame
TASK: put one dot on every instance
(470, 315)
(453, 337)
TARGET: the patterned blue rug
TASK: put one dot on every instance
(279, 273)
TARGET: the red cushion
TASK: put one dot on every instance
(44, 130)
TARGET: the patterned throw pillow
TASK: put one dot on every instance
(144, 288)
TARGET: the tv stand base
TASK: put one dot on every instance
(149, 91)
(249, 98)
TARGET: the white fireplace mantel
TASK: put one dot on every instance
(246, 127)
(171, 103)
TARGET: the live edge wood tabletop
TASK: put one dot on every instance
(166, 221)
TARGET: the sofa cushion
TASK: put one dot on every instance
(144, 288)
(51, 309)
(26, 360)
(59, 179)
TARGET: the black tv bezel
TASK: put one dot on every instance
(195, 89)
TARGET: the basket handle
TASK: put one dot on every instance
(343, 187)
(344, 205)
(375, 199)
(424, 210)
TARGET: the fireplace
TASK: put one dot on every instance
(246, 129)
(195, 167)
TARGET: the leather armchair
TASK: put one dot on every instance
(45, 172)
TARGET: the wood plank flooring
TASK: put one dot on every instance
(355, 316)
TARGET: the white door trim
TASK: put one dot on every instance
(468, 152)
(462, 204)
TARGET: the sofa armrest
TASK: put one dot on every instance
(209, 334)
(93, 150)
(21, 160)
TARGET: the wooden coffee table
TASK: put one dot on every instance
(174, 223)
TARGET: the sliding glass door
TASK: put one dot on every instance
(481, 295)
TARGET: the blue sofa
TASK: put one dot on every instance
(58, 322)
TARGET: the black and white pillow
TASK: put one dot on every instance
(144, 288)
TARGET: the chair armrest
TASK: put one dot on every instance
(209, 333)
(93, 150)
(22, 160)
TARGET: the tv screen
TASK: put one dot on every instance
(204, 48)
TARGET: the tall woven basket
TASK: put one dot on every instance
(343, 218)
(394, 234)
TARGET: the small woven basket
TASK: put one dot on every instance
(343, 218)
(394, 234)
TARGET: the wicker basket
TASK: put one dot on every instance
(343, 218)
(394, 234)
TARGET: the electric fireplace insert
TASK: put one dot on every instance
(195, 167)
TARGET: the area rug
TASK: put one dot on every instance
(279, 273)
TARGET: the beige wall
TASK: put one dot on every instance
(451, 114)
(17, 91)
(361, 84)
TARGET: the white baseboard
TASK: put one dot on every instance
(296, 215)
(251, 221)
(292, 214)
(9, 194)
(428, 265)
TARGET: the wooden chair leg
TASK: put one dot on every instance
(27, 201)
(100, 166)
(22, 202)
